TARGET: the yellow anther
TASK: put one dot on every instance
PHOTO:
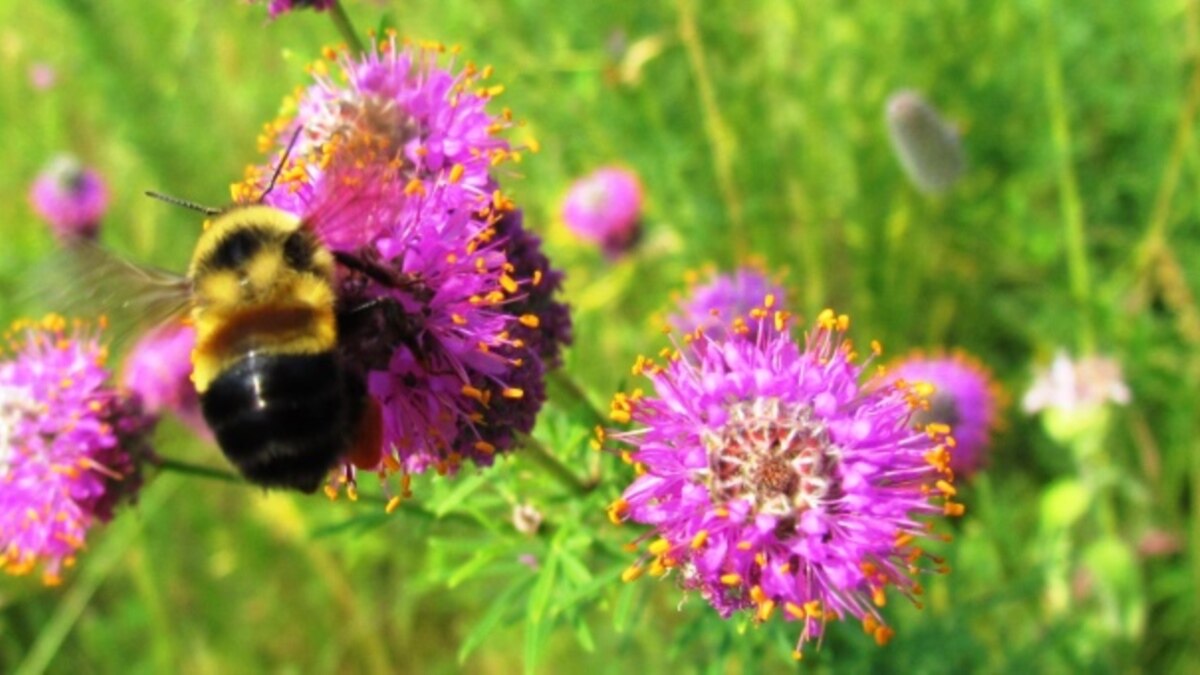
(331, 492)
(513, 392)
(508, 284)
(458, 319)
(392, 505)
(530, 320)
(954, 509)
(795, 610)
(616, 510)
(878, 596)
(414, 187)
(659, 546)
(731, 579)
(456, 173)
(769, 301)
(946, 488)
(699, 539)
(485, 447)
(620, 416)
(883, 635)
(631, 573)
(765, 609)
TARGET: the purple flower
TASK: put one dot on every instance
(278, 7)
(159, 370)
(392, 169)
(777, 482)
(928, 147)
(70, 197)
(545, 323)
(729, 299)
(42, 76)
(71, 446)
(605, 208)
(965, 398)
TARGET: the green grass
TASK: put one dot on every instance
(758, 129)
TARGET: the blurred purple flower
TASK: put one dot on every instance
(605, 208)
(729, 300)
(777, 482)
(42, 76)
(277, 7)
(1071, 386)
(70, 197)
(965, 398)
(159, 370)
(393, 167)
(71, 446)
(928, 147)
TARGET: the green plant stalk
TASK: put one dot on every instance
(342, 21)
(1068, 184)
(536, 451)
(210, 473)
(560, 381)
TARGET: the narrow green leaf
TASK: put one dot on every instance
(463, 488)
(502, 607)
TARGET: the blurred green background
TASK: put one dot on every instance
(757, 129)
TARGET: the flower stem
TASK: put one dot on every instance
(559, 381)
(541, 455)
(1068, 185)
(342, 21)
(189, 469)
(199, 471)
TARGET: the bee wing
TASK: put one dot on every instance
(87, 280)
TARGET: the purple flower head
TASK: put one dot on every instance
(451, 297)
(42, 75)
(71, 446)
(965, 398)
(70, 197)
(605, 208)
(777, 482)
(159, 370)
(545, 323)
(729, 300)
(277, 7)
(928, 147)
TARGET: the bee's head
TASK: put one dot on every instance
(258, 255)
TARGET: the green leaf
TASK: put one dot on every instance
(583, 634)
(463, 487)
(500, 607)
(627, 600)
(1063, 503)
(477, 562)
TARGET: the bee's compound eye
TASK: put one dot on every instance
(236, 249)
(298, 250)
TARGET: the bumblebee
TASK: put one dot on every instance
(281, 398)
(273, 388)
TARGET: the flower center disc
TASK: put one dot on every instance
(773, 455)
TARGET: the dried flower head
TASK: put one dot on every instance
(605, 208)
(454, 309)
(71, 446)
(729, 299)
(965, 398)
(70, 197)
(777, 482)
(928, 147)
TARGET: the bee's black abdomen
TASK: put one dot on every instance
(284, 419)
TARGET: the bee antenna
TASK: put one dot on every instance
(282, 160)
(206, 210)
